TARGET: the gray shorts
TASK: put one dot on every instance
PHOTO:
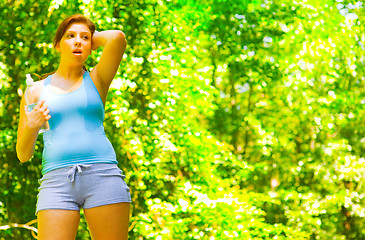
(82, 186)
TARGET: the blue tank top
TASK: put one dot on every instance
(76, 134)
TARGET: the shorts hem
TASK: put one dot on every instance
(104, 203)
(57, 208)
(98, 204)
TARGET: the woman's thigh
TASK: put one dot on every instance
(58, 224)
(109, 222)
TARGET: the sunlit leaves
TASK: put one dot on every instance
(231, 119)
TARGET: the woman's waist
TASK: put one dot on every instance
(62, 168)
(78, 147)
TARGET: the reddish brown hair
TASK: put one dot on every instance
(66, 24)
(61, 30)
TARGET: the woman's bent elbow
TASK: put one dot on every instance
(120, 36)
(21, 156)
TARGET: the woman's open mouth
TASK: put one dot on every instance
(77, 52)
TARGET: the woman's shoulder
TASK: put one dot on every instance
(37, 87)
(39, 83)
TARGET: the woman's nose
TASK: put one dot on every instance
(77, 41)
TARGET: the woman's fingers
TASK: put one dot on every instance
(45, 111)
(41, 102)
(37, 116)
(40, 108)
(44, 108)
(46, 114)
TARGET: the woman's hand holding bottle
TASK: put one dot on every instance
(35, 110)
(38, 116)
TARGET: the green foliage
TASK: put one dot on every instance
(231, 119)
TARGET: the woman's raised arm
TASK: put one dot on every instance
(114, 44)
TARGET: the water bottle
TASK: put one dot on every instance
(31, 96)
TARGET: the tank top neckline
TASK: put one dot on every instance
(48, 84)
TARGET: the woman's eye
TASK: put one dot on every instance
(86, 37)
(70, 35)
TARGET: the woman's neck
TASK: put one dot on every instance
(69, 73)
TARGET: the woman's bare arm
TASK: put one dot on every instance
(28, 128)
(114, 44)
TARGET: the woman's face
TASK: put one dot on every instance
(75, 45)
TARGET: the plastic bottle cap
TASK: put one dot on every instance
(29, 80)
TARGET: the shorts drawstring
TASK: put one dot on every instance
(72, 172)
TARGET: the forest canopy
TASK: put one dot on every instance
(231, 119)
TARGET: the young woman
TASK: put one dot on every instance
(79, 164)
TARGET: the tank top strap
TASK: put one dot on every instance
(47, 82)
(87, 79)
(91, 87)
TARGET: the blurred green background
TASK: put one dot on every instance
(231, 119)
